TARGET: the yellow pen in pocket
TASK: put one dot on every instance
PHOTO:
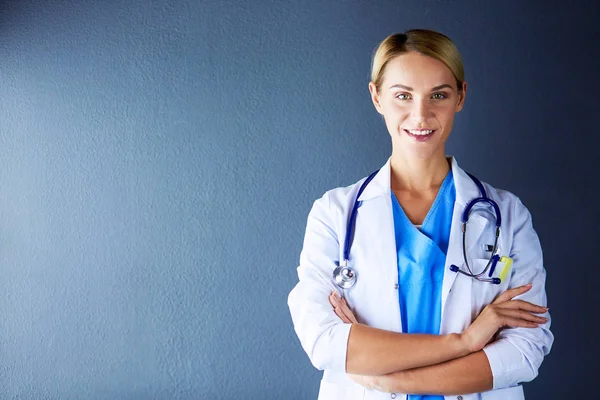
(507, 264)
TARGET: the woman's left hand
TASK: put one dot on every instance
(341, 308)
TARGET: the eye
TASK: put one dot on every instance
(439, 96)
(403, 96)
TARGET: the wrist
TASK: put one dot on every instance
(462, 343)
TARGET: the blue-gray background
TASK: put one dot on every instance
(158, 160)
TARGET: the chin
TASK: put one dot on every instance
(420, 151)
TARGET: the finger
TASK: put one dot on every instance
(346, 310)
(517, 318)
(343, 317)
(333, 300)
(520, 323)
(524, 315)
(340, 303)
(523, 305)
(340, 314)
(510, 293)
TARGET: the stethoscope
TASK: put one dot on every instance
(345, 276)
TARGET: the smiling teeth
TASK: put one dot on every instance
(420, 132)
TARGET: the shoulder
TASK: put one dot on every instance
(330, 212)
(516, 217)
(468, 184)
(340, 197)
(521, 239)
(506, 200)
(500, 195)
(513, 212)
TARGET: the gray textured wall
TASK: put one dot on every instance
(158, 160)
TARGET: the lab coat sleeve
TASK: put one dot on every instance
(322, 334)
(517, 353)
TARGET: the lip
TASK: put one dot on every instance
(420, 138)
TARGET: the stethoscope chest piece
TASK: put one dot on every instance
(344, 276)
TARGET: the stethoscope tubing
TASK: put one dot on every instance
(352, 220)
(343, 267)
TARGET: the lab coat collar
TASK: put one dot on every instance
(380, 185)
(466, 189)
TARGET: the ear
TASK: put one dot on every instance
(461, 97)
(375, 97)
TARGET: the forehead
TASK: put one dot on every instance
(417, 71)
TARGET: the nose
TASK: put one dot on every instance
(421, 110)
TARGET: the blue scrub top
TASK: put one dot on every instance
(421, 260)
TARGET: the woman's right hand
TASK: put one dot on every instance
(503, 312)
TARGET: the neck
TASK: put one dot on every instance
(418, 175)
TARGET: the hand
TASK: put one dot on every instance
(503, 312)
(341, 308)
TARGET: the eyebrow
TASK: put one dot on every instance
(445, 85)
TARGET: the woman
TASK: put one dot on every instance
(421, 318)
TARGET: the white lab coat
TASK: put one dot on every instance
(514, 357)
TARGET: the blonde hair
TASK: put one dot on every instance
(423, 41)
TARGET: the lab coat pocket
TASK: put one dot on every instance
(484, 293)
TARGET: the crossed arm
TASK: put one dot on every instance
(469, 374)
(428, 363)
(446, 364)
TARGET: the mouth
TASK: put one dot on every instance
(420, 135)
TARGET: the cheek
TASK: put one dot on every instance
(398, 113)
(446, 115)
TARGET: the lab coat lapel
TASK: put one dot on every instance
(466, 190)
(378, 223)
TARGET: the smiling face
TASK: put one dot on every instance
(418, 98)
